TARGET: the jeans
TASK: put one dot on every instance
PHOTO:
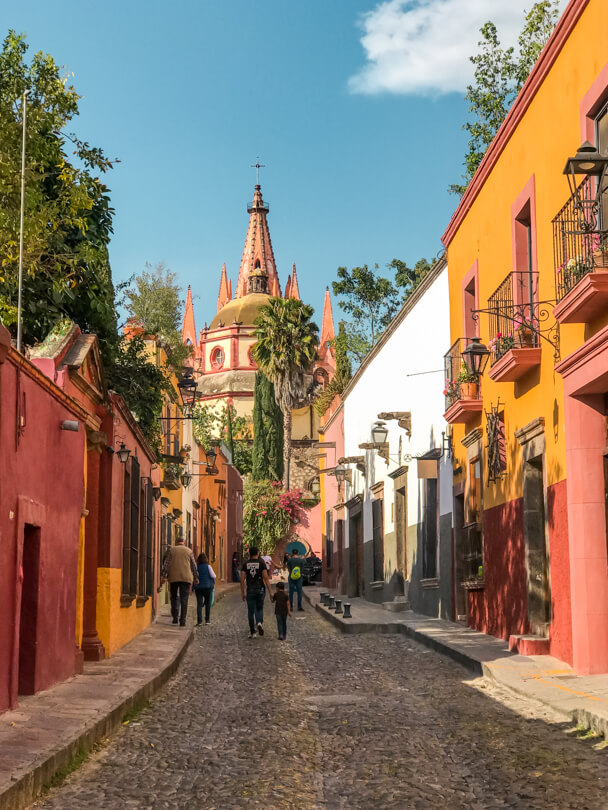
(255, 609)
(295, 585)
(180, 591)
(203, 597)
(282, 626)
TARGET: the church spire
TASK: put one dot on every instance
(188, 327)
(293, 291)
(326, 353)
(258, 248)
(225, 293)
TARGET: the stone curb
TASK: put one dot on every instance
(582, 716)
(27, 787)
(350, 626)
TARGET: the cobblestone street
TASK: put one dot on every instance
(327, 720)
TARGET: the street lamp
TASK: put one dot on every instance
(586, 161)
(315, 487)
(340, 474)
(379, 433)
(211, 455)
(475, 357)
(21, 216)
(123, 453)
(186, 478)
(187, 390)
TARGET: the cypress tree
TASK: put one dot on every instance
(267, 461)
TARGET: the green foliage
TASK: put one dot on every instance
(267, 459)
(285, 350)
(156, 304)
(499, 76)
(371, 300)
(268, 513)
(212, 423)
(407, 278)
(68, 218)
(343, 373)
(143, 386)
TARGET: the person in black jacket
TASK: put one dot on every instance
(204, 589)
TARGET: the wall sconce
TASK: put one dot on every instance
(379, 433)
(211, 455)
(315, 487)
(123, 453)
(186, 478)
(475, 357)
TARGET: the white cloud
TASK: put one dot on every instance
(423, 46)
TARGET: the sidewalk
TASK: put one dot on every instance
(43, 735)
(582, 698)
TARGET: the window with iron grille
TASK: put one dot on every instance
(429, 529)
(329, 540)
(134, 530)
(149, 541)
(126, 530)
(378, 538)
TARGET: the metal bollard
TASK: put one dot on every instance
(322, 596)
(339, 606)
(347, 611)
(325, 598)
(331, 602)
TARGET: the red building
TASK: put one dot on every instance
(42, 447)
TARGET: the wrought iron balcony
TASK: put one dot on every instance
(513, 325)
(580, 245)
(462, 392)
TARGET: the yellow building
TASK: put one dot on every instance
(526, 258)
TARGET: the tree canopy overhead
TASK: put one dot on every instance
(500, 74)
(68, 217)
(155, 302)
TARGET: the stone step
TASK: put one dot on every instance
(398, 605)
(529, 644)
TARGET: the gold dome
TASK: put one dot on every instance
(242, 310)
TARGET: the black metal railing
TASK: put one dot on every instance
(472, 552)
(513, 314)
(258, 205)
(459, 384)
(579, 242)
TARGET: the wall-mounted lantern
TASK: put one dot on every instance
(123, 453)
(475, 357)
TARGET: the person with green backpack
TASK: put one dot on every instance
(294, 565)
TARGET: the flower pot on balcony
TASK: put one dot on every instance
(526, 337)
(600, 261)
(468, 390)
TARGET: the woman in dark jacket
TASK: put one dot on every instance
(204, 589)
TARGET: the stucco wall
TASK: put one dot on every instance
(401, 377)
(41, 483)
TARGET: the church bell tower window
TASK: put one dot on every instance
(217, 357)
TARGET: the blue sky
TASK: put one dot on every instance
(355, 107)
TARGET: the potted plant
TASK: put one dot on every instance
(501, 344)
(184, 451)
(451, 390)
(467, 382)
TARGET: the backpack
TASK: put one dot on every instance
(295, 572)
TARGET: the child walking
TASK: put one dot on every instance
(281, 609)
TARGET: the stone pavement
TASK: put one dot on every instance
(47, 730)
(330, 720)
(582, 698)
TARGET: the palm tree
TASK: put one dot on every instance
(285, 350)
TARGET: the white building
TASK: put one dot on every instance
(398, 527)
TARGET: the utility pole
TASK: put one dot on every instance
(19, 327)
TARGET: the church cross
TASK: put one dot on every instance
(257, 166)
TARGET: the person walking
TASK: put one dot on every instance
(254, 577)
(204, 589)
(236, 568)
(294, 565)
(281, 609)
(179, 568)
